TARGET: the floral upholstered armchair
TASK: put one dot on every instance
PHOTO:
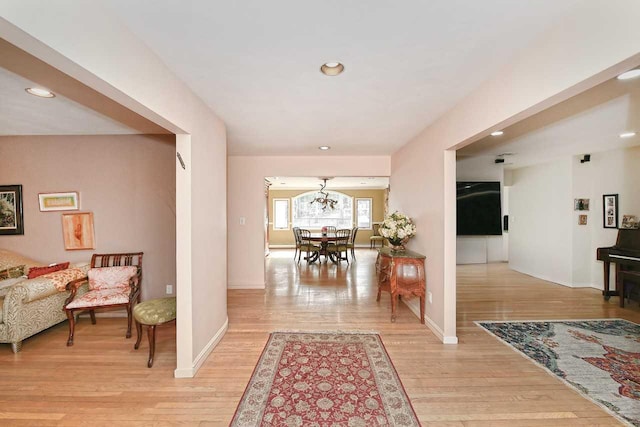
(114, 281)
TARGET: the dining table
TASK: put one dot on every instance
(324, 239)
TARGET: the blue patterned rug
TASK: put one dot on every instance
(599, 358)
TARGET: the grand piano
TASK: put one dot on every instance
(625, 254)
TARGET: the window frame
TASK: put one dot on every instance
(281, 199)
(356, 216)
(294, 199)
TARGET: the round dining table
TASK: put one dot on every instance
(324, 240)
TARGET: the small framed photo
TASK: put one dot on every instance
(582, 220)
(630, 222)
(77, 230)
(11, 218)
(580, 204)
(610, 211)
(59, 201)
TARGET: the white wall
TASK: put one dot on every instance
(540, 229)
(582, 184)
(246, 199)
(612, 172)
(481, 249)
(126, 181)
(591, 45)
(546, 239)
(111, 60)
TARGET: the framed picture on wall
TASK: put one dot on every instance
(610, 211)
(77, 230)
(11, 219)
(58, 201)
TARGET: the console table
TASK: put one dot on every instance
(401, 273)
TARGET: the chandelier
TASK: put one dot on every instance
(323, 197)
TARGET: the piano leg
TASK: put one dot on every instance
(607, 269)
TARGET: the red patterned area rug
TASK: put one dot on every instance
(324, 380)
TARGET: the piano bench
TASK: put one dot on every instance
(623, 284)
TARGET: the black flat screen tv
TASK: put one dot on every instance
(479, 209)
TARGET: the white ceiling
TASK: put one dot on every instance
(334, 183)
(588, 123)
(24, 114)
(256, 63)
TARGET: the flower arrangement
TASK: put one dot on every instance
(397, 228)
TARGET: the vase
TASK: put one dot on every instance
(397, 244)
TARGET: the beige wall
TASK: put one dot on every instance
(112, 61)
(128, 182)
(571, 57)
(246, 199)
(285, 237)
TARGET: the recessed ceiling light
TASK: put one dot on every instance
(42, 93)
(629, 74)
(332, 68)
(324, 148)
(497, 133)
(627, 134)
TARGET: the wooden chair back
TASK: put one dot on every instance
(342, 237)
(101, 261)
(354, 231)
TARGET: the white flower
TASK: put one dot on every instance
(397, 226)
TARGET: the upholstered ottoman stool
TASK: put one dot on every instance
(151, 314)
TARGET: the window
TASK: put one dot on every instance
(364, 213)
(311, 216)
(280, 214)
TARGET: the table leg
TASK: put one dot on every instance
(394, 303)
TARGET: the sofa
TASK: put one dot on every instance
(29, 306)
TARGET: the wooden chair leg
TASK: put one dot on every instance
(139, 335)
(129, 317)
(92, 313)
(151, 333)
(422, 309)
(72, 327)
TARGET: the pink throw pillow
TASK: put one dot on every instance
(111, 277)
(39, 271)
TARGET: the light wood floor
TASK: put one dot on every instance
(102, 381)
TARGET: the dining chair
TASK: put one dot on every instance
(331, 230)
(341, 245)
(352, 242)
(373, 240)
(307, 245)
(296, 238)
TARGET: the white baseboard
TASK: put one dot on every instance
(552, 280)
(202, 357)
(414, 306)
(245, 285)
